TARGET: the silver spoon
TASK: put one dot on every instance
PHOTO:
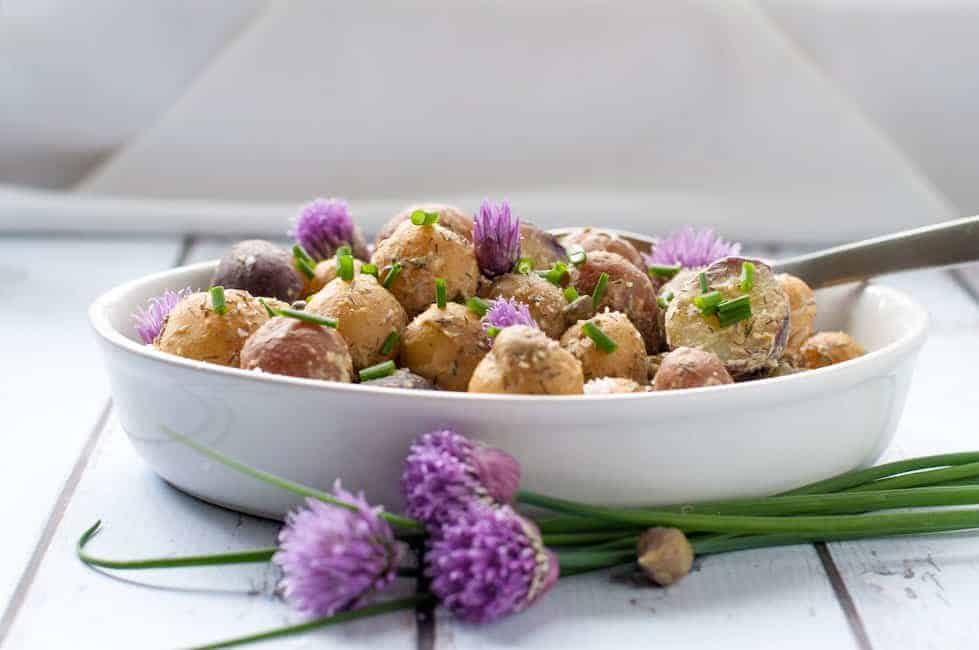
(943, 244)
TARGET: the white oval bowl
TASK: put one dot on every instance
(743, 439)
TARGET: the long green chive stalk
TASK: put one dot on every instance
(857, 477)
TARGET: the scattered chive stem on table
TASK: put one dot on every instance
(217, 300)
(599, 292)
(392, 275)
(378, 371)
(389, 342)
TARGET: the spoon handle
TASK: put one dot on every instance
(943, 244)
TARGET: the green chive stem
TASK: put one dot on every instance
(392, 275)
(217, 300)
(570, 293)
(524, 266)
(575, 562)
(664, 270)
(734, 303)
(306, 316)
(747, 276)
(378, 371)
(580, 539)
(478, 306)
(368, 269)
(856, 477)
(599, 292)
(577, 255)
(704, 284)
(601, 339)
(492, 331)
(268, 310)
(440, 293)
(343, 251)
(389, 342)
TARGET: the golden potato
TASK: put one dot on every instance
(426, 253)
(627, 360)
(194, 330)
(596, 239)
(540, 246)
(690, 368)
(449, 217)
(802, 312)
(523, 360)
(367, 314)
(545, 301)
(629, 291)
(444, 345)
(611, 386)
(288, 346)
(826, 348)
(325, 273)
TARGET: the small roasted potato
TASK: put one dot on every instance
(826, 348)
(194, 330)
(426, 253)
(581, 308)
(612, 385)
(288, 346)
(746, 346)
(690, 368)
(261, 268)
(545, 301)
(444, 345)
(449, 217)
(523, 360)
(629, 291)
(367, 314)
(325, 273)
(401, 378)
(540, 246)
(596, 239)
(802, 312)
(627, 360)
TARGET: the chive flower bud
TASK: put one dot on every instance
(149, 320)
(322, 226)
(690, 249)
(496, 238)
(504, 312)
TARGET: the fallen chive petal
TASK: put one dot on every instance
(378, 371)
(478, 306)
(344, 250)
(747, 276)
(600, 338)
(704, 284)
(268, 310)
(525, 265)
(734, 303)
(664, 270)
(306, 316)
(492, 331)
(345, 265)
(392, 274)
(388, 346)
(369, 269)
(577, 255)
(440, 292)
(599, 292)
(217, 300)
(570, 293)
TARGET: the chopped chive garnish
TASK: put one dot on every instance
(369, 269)
(525, 265)
(217, 300)
(669, 296)
(306, 316)
(570, 293)
(555, 274)
(730, 317)
(440, 292)
(747, 276)
(268, 310)
(704, 284)
(378, 371)
(344, 250)
(304, 262)
(734, 303)
(661, 302)
(389, 342)
(345, 270)
(422, 218)
(664, 270)
(707, 302)
(600, 338)
(392, 274)
(599, 292)
(492, 331)
(577, 255)
(478, 306)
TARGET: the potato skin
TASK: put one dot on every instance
(612, 386)
(261, 268)
(427, 253)
(597, 239)
(523, 360)
(540, 246)
(827, 348)
(367, 314)
(690, 368)
(802, 312)
(545, 301)
(325, 273)
(746, 347)
(402, 378)
(628, 360)
(444, 345)
(450, 217)
(288, 346)
(195, 331)
(629, 291)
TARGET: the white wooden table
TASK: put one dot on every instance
(65, 462)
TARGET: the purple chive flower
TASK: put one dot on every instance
(445, 471)
(691, 248)
(496, 238)
(504, 312)
(333, 558)
(149, 321)
(488, 563)
(323, 225)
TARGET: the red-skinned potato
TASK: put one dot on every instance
(596, 239)
(288, 346)
(690, 368)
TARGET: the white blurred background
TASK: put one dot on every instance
(799, 120)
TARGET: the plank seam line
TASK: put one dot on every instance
(64, 498)
(964, 284)
(844, 597)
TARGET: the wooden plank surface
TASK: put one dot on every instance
(53, 389)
